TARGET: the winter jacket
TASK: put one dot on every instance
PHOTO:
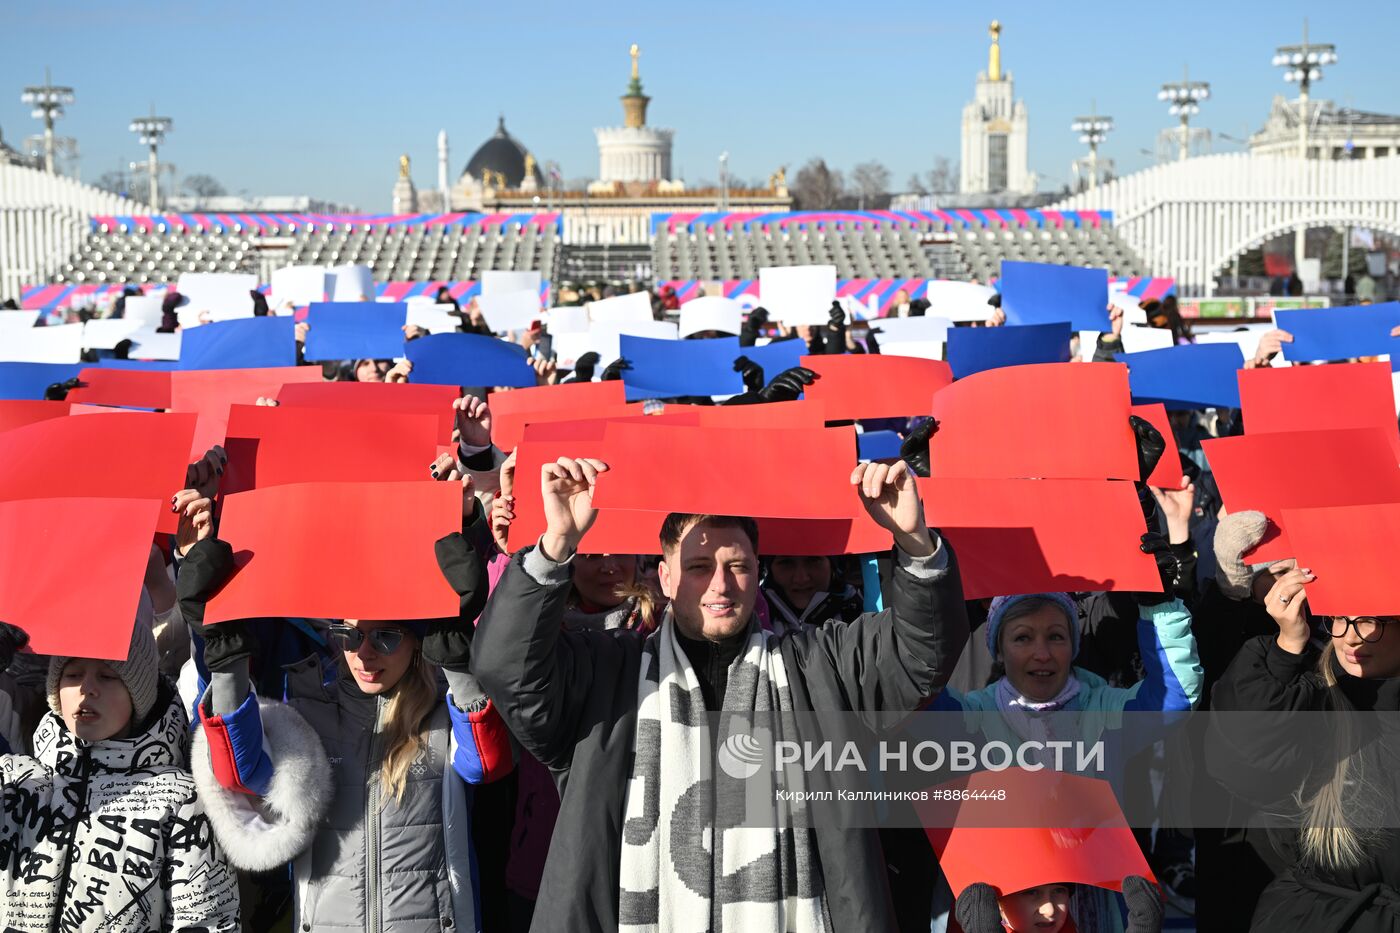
(571, 700)
(1253, 756)
(360, 860)
(110, 836)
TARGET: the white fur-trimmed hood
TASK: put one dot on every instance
(261, 833)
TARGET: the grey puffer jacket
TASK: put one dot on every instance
(361, 860)
(110, 835)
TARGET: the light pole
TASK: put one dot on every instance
(48, 101)
(151, 131)
(724, 180)
(1092, 130)
(1303, 64)
(1185, 98)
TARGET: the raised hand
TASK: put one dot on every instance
(203, 475)
(1177, 506)
(891, 497)
(788, 384)
(585, 366)
(301, 329)
(473, 421)
(265, 402)
(414, 331)
(1285, 603)
(914, 450)
(978, 910)
(546, 371)
(400, 372)
(1150, 445)
(1270, 345)
(615, 369)
(567, 487)
(837, 317)
(196, 511)
(997, 319)
(750, 372)
(1144, 902)
(1115, 319)
(502, 514)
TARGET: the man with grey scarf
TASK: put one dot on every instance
(619, 717)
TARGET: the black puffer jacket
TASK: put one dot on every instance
(1254, 756)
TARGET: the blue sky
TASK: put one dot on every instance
(320, 99)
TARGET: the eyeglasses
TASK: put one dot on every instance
(1368, 628)
(349, 638)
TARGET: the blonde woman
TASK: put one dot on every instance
(362, 778)
(1327, 773)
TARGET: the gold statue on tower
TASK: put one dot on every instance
(634, 52)
(403, 165)
(994, 56)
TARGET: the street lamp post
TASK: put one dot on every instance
(1185, 98)
(724, 180)
(48, 101)
(151, 131)
(1092, 130)
(1303, 64)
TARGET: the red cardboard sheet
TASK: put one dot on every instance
(140, 455)
(130, 387)
(1319, 398)
(376, 396)
(1048, 420)
(210, 393)
(984, 843)
(1042, 536)
(628, 531)
(799, 414)
(512, 410)
(275, 446)
(16, 413)
(1351, 549)
(776, 473)
(84, 610)
(1167, 474)
(855, 386)
(1300, 470)
(338, 551)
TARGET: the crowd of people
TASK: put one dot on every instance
(541, 760)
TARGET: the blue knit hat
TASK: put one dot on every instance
(1002, 603)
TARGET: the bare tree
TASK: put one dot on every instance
(942, 178)
(915, 184)
(202, 188)
(114, 182)
(818, 187)
(872, 182)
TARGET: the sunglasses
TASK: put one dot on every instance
(348, 638)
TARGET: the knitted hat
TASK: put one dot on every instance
(139, 672)
(1237, 533)
(1001, 604)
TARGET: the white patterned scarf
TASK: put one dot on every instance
(679, 873)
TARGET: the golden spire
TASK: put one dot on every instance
(634, 52)
(994, 56)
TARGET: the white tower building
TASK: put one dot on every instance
(633, 153)
(994, 133)
(443, 187)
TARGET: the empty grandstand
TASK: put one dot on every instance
(422, 248)
(945, 244)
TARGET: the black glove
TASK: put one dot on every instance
(448, 642)
(914, 450)
(58, 391)
(584, 366)
(615, 369)
(752, 373)
(788, 385)
(203, 572)
(872, 345)
(1170, 568)
(752, 327)
(837, 318)
(977, 909)
(12, 638)
(1144, 905)
(1150, 445)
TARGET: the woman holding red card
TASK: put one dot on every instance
(349, 780)
(1331, 778)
